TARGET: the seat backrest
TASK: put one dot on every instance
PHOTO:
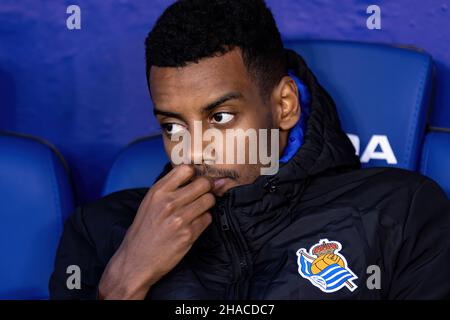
(382, 95)
(436, 159)
(138, 165)
(35, 198)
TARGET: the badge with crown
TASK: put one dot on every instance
(325, 267)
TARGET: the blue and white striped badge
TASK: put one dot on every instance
(325, 267)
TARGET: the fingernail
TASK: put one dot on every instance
(218, 183)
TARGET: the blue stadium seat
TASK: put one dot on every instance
(138, 165)
(436, 159)
(382, 95)
(35, 198)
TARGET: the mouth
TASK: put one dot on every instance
(220, 177)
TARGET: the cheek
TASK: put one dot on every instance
(258, 118)
(168, 146)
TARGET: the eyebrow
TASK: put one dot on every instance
(210, 106)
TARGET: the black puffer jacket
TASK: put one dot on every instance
(321, 228)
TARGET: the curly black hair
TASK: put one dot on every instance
(190, 30)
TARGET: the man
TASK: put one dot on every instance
(204, 230)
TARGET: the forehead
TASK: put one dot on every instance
(200, 82)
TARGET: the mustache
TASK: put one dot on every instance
(206, 170)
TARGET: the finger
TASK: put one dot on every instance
(176, 177)
(200, 224)
(167, 184)
(194, 209)
(194, 190)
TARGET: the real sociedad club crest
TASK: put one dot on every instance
(325, 267)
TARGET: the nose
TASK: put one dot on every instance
(205, 144)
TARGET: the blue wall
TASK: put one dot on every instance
(85, 90)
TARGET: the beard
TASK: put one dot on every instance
(206, 170)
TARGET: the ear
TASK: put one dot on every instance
(285, 100)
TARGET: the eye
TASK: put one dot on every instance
(222, 117)
(172, 128)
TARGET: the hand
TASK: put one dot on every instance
(169, 220)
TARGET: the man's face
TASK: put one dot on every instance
(218, 93)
